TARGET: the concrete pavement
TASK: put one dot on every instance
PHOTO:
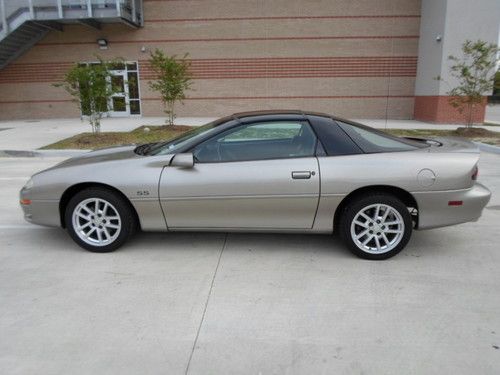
(246, 303)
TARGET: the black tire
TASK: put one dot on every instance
(128, 222)
(357, 205)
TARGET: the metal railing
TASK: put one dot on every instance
(15, 12)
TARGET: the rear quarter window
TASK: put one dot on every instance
(371, 140)
(333, 139)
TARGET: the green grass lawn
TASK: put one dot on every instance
(163, 133)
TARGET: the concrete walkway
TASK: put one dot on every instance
(28, 135)
(32, 134)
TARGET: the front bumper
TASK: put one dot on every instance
(42, 212)
(434, 210)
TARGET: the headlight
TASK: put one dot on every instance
(28, 185)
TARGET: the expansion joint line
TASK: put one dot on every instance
(206, 305)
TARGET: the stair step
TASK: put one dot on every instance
(5, 51)
(13, 43)
(33, 28)
(22, 32)
(27, 32)
(17, 39)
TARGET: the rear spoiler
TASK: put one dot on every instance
(448, 144)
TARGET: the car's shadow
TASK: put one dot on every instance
(421, 244)
(249, 241)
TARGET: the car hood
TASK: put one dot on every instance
(100, 156)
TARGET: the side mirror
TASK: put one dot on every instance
(185, 160)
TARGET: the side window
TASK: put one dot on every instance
(265, 131)
(259, 141)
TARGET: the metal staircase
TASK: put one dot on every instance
(24, 22)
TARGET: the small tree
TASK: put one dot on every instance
(474, 72)
(172, 82)
(496, 88)
(90, 86)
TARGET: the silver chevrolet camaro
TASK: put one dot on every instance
(274, 171)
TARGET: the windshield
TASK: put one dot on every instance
(172, 145)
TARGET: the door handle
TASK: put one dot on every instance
(301, 175)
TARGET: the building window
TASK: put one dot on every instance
(133, 88)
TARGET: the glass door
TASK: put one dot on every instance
(126, 98)
(119, 103)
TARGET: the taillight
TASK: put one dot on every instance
(475, 173)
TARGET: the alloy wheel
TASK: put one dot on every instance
(377, 228)
(96, 222)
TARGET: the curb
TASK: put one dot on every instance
(40, 153)
(488, 148)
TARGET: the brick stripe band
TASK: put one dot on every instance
(252, 60)
(215, 19)
(181, 40)
(363, 97)
(36, 101)
(314, 67)
(294, 97)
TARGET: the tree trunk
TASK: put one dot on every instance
(97, 125)
(170, 113)
(470, 119)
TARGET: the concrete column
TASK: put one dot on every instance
(444, 26)
(89, 8)
(32, 9)
(118, 8)
(60, 9)
(5, 27)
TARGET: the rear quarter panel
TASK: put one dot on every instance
(341, 175)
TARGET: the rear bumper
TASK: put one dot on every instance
(434, 211)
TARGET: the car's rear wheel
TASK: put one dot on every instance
(99, 220)
(376, 226)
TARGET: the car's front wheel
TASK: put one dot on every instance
(376, 226)
(99, 220)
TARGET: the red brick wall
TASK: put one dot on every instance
(438, 109)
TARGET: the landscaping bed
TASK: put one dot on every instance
(149, 134)
(106, 139)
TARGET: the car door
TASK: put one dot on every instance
(260, 175)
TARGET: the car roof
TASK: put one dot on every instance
(286, 112)
(276, 112)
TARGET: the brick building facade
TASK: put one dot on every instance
(355, 59)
